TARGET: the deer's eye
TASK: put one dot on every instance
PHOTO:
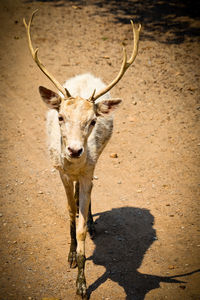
(60, 118)
(93, 122)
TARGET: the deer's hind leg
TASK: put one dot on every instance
(90, 224)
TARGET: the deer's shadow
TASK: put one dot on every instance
(123, 237)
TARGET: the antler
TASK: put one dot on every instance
(34, 54)
(125, 64)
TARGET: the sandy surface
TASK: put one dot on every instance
(146, 201)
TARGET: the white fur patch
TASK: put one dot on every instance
(83, 86)
(54, 138)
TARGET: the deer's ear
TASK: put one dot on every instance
(107, 106)
(50, 98)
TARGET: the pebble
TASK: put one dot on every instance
(182, 287)
(171, 267)
(1, 215)
(95, 177)
(131, 120)
(113, 155)
(40, 192)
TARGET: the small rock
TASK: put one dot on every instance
(192, 88)
(134, 103)
(50, 298)
(95, 177)
(171, 267)
(113, 155)
(182, 287)
(131, 120)
(1, 215)
(40, 192)
(165, 186)
(76, 7)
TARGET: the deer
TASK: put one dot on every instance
(79, 125)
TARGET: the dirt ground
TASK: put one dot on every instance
(146, 201)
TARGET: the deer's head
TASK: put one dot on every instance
(77, 116)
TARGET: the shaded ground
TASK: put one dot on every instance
(145, 201)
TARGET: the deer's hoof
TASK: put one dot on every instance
(81, 289)
(72, 259)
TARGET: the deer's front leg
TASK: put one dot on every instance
(84, 201)
(69, 189)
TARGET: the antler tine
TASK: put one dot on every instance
(91, 99)
(126, 63)
(136, 34)
(34, 54)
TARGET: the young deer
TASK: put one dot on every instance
(78, 128)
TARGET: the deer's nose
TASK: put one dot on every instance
(73, 152)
